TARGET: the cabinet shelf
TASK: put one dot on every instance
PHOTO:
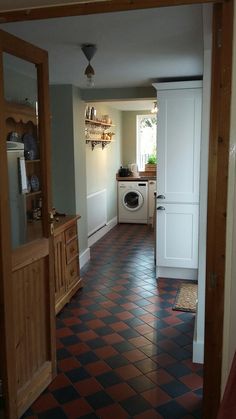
(30, 194)
(32, 161)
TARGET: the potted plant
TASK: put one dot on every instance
(150, 166)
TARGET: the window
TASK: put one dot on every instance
(146, 138)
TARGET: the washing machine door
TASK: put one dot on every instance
(132, 200)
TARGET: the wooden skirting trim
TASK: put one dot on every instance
(106, 6)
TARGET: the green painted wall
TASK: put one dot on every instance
(63, 179)
(102, 165)
(80, 167)
(129, 135)
(68, 155)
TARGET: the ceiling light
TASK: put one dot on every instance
(89, 51)
(154, 107)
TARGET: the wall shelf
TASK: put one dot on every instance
(96, 133)
(93, 143)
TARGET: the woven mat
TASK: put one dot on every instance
(186, 298)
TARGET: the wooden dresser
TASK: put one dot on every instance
(67, 269)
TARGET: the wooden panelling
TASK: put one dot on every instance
(92, 8)
(32, 338)
(30, 302)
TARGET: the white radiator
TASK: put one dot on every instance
(97, 211)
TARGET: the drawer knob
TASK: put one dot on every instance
(72, 271)
(72, 249)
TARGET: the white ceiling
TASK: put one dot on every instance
(134, 48)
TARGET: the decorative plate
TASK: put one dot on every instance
(34, 181)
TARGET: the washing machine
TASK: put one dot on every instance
(133, 202)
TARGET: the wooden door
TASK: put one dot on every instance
(28, 357)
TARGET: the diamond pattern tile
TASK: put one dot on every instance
(122, 351)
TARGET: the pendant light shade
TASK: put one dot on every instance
(89, 51)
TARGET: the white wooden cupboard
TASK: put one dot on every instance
(178, 162)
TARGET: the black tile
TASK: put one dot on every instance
(129, 333)
(56, 413)
(99, 400)
(63, 353)
(87, 358)
(166, 410)
(175, 388)
(109, 319)
(77, 374)
(87, 317)
(123, 346)
(81, 327)
(70, 340)
(135, 405)
(108, 379)
(105, 330)
(65, 394)
(117, 361)
(141, 383)
(96, 343)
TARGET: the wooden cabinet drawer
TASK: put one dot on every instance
(70, 233)
(72, 271)
(71, 250)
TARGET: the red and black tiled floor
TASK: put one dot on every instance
(122, 351)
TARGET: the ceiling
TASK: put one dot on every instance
(134, 48)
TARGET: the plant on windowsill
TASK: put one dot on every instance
(150, 166)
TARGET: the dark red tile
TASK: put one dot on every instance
(44, 402)
(77, 408)
(88, 386)
(97, 368)
(120, 391)
(112, 411)
(156, 396)
(128, 371)
(135, 355)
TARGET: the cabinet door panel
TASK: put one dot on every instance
(177, 236)
(60, 272)
(178, 144)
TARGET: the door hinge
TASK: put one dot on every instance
(213, 279)
(219, 38)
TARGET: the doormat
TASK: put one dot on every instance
(186, 298)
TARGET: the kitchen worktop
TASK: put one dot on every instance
(135, 178)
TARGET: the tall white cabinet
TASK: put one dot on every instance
(178, 163)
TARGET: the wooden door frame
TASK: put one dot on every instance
(218, 164)
(24, 50)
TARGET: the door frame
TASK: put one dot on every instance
(26, 51)
(223, 11)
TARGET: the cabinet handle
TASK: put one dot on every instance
(161, 208)
(161, 197)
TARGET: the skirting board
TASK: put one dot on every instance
(198, 352)
(176, 273)
(100, 233)
(84, 257)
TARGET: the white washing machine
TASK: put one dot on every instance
(133, 202)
